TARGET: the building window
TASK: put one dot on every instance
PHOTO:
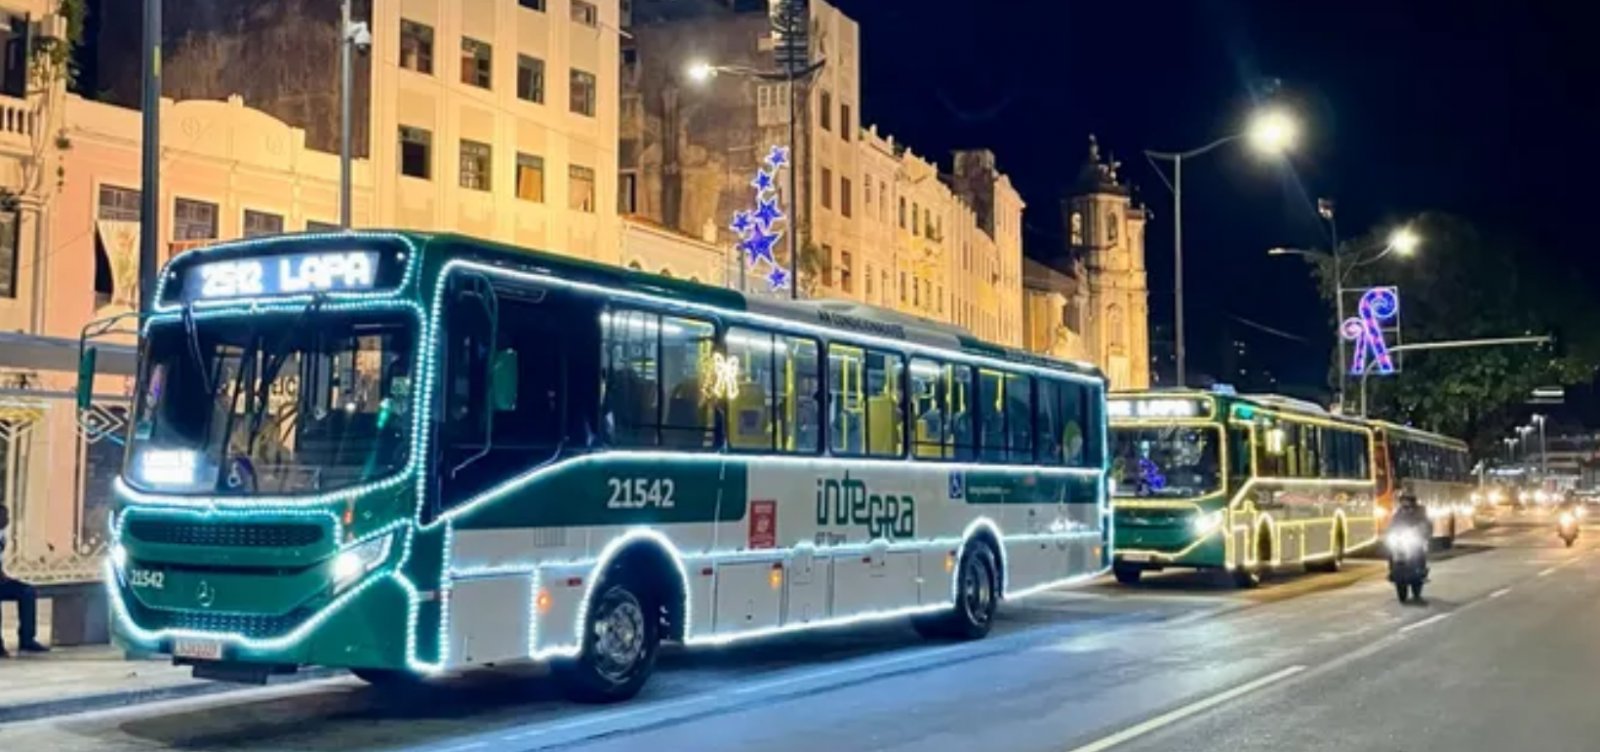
(476, 63)
(902, 288)
(916, 291)
(194, 220)
(883, 283)
(262, 223)
(827, 110)
(416, 152)
(868, 278)
(585, 13)
(1111, 226)
(476, 163)
(846, 281)
(628, 193)
(844, 121)
(313, 225)
(416, 46)
(916, 212)
(120, 204)
(530, 79)
(844, 196)
(866, 189)
(537, 5)
(902, 212)
(583, 92)
(1075, 228)
(10, 232)
(580, 188)
(530, 178)
(827, 264)
(941, 298)
(827, 188)
(883, 201)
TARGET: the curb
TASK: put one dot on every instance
(31, 711)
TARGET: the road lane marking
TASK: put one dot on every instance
(1173, 716)
(1547, 572)
(1498, 593)
(1425, 622)
(464, 747)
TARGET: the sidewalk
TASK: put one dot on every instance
(79, 679)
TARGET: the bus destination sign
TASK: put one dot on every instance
(1163, 407)
(293, 274)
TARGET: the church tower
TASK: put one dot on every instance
(1105, 228)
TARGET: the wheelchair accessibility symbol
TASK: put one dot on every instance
(958, 486)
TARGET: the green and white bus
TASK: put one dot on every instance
(1238, 483)
(410, 454)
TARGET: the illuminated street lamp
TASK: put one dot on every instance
(701, 72)
(1271, 132)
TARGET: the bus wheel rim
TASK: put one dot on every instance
(619, 639)
(977, 591)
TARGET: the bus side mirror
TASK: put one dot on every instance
(503, 381)
(86, 362)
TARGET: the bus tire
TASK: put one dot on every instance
(977, 598)
(1249, 575)
(389, 681)
(621, 637)
(1125, 574)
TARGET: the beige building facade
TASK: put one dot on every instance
(876, 222)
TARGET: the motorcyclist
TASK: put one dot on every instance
(1412, 515)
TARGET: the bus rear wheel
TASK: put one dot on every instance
(621, 638)
(977, 599)
(1249, 575)
(1126, 574)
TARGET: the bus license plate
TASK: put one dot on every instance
(206, 650)
(1135, 557)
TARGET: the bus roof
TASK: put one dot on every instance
(1417, 433)
(1275, 402)
(839, 315)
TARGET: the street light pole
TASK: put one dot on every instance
(1544, 464)
(346, 74)
(150, 156)
(1450, 345)
(1177, 267)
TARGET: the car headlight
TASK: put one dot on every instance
(1403, 540)
(1203, 524)
(359, 559)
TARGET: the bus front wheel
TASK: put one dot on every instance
(620, 641)
(977, 598)
(1126, 574)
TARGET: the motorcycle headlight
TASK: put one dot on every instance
(1203, 524)
(1567, 519)
(1403, 540)
(359, 559)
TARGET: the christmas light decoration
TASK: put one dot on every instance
(1378, 306)
(757, 238)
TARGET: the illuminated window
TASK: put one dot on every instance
(776, 408)
(580, 188)
(476, 165)
(941, 409)
(530, 178)
(864, 405)
(651, 380)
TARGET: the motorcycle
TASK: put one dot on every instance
(1408, 562)
(1567, 527)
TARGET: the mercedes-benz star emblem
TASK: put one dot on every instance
(205, 595)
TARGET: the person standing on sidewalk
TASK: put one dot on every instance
(21, 592)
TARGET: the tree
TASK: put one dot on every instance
(1466, 284)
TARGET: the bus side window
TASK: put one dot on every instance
(960, 440)
(1051, 414)
(991, 415)
(1238, 454)
(928, 409)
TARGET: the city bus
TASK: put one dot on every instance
(1243, 484)
(1434, 467)
(409, 454)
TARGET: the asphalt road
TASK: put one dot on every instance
(1501, 656)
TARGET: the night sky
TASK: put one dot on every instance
(1481, 109)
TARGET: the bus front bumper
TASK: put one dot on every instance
(1155, 550)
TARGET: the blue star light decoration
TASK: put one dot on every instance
(757, 237)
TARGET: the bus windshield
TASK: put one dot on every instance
(1171, 461)
(288, 404)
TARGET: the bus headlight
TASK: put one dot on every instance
(360, 559)
(1203, 524)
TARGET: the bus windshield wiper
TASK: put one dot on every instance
(192, 333)
(256, 403)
